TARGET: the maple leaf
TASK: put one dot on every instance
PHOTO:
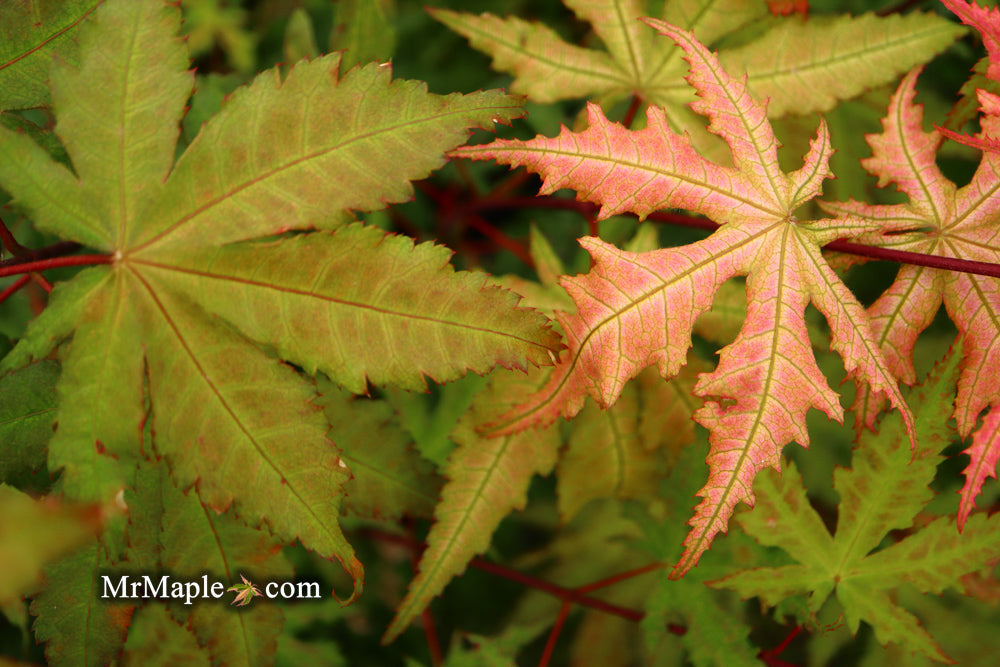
(940, 219)
(802, 66)
(884, 490)
(983, 84)
(987, 21)
(196, 299)
(27, 413)
(388, 481)
(637, 309)
(170, 531)
(31, 33)
(245, 592)
(78, 627)
(488, 478)
(155, 638)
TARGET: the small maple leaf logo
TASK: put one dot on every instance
(245, 592)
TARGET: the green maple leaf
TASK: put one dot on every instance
(173, 532)
(197, 307)
(883, 491)
(31, 33)
(801, 66)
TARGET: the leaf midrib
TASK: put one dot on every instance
(616, 315)
(332, 299)
(165, 312)
(841, 56)
(639, 166)
(264, 176)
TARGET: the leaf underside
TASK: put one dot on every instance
(198, 301)
(634, 310)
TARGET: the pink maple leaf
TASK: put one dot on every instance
(636, 310)
(940, 219)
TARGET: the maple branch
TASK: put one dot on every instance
(426, 617)
(13, 287)
(621, 576)
(587, 209)
(633, 108)
(555, 590)
(9, 242)
(916, 258)
(550, 644)
(771, 655)
(12, 267)
(40, 280)
(61, 249)
(499, 238)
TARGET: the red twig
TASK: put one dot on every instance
(550, 644)
(565, 594)
(621, 576)
(500, 239)
(61, 249)
(430, 632)
(916, 258)
(54, 263)
(874, 252)
(13, 287)
(633, 108)
(426, 616)
(9, 242)
(771, 656)
(509, 184)
(40, 280)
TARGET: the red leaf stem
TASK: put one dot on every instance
(9, 242)
(12, 288)
(899, 256)
(550, 644)
(54, 263)
(565, 594)
(61, 249)
(621, 576)
(633, 108)
(40, 280)
(500, 239)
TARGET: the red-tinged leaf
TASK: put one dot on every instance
(984, 453)
(32, 34)
(989, 104)
(276, 463)
(487, 478)
(940, 219)
(987, 21)
(636, 310)
(413, 315)
(79, 628)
